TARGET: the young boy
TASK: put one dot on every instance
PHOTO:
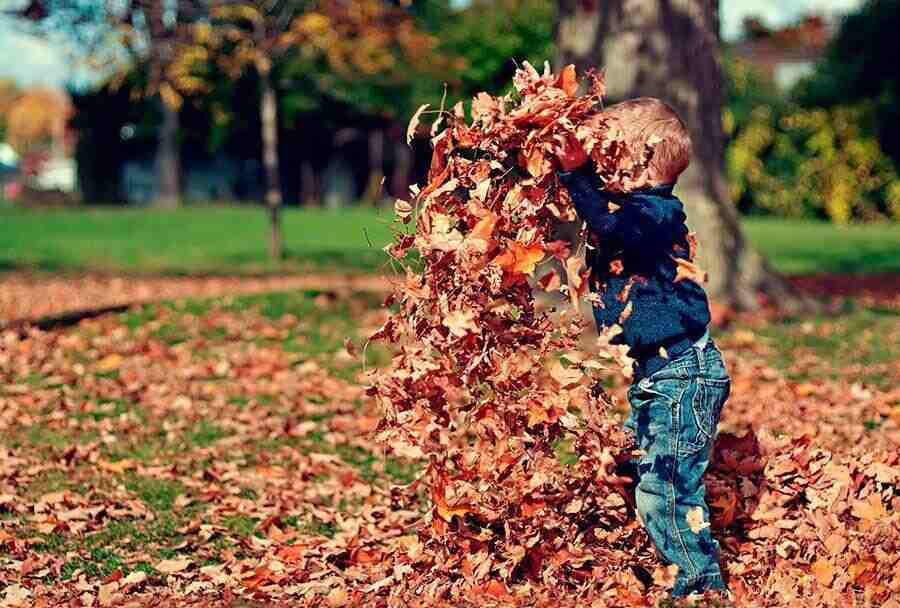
(680, 381)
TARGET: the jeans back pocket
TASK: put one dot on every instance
(700, 410)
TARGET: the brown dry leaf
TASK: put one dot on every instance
(626, 312)
(685, 269)
(173, 566)
(869, 511)
(414, 123)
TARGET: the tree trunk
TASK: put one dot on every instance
(402, 168)
(670, 49)
(168, 158)
(309, 185)
(375, 182)
(268, 111)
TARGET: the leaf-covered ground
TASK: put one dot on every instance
(220, 451)
(32, 296)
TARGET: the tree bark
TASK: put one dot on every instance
(268, 111)
(670, 49)
(168, 159)
(309, 185)
(403, 160)
(161, 49)
(376, 167)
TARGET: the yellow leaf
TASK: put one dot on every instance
(337, 597)
(170, 96)
(109, 363)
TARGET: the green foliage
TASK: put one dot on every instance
(860, 66)
(792, 161)
(490, 36)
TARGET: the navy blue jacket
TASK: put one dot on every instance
(634, 246)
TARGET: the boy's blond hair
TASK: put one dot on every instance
(645, 120)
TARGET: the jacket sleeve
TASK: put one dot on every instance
(591, 206)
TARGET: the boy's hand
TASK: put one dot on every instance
(569, 152)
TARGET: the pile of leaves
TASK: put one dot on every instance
(487, 385)
(492, 391)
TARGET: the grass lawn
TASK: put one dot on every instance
(801, 247)
(219, 240)
(235, 240)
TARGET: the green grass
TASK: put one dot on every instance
(221, 240)
(190, 240)
(800, 247)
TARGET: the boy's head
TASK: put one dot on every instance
(646, 120)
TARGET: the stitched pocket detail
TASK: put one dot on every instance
(700, 413)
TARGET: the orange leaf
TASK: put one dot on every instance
(485, 226)
(365, 556)
(568, 80)
(537, 163)
(868, 511)
(498, 590)
(823, 570)
(445, 511)
(532, 507)
(519, 258)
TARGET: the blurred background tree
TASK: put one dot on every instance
(860, 67)
(364, 54)
(826, 147)
(117, 36)
(9, 91)
(35, 120)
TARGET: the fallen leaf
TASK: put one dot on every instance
(173, 566)
(520, 258)
(823, 570)
(696, 520)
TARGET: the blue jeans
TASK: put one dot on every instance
(674, 416)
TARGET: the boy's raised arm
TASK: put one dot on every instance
(592, 207)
